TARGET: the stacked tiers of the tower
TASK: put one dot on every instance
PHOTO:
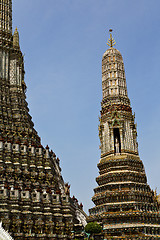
(35, 202)
(124, 202)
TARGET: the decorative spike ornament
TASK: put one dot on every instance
(16, 39)
(111, 42)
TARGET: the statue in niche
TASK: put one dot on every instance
(117, 146)
(67, 189)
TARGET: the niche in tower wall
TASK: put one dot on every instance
(117, 142)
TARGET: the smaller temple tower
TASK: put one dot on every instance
(124, 203)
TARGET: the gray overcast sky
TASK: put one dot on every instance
(63, 42)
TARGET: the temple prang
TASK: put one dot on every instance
(125, 205)
(35, 202)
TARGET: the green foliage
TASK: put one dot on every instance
(93, 227)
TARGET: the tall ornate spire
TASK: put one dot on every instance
(5, 22)
(124, 202)
(12, 87)
(6, 16)
(115, 100)
(113, 75)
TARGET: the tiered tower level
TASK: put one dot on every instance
(35, 202)
(124, 203)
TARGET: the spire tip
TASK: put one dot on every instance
(111, 42)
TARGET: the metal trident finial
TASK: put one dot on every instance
(111, 42)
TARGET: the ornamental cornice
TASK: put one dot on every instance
(125, 156)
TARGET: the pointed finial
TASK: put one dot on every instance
(111, 42)
(16, 38)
